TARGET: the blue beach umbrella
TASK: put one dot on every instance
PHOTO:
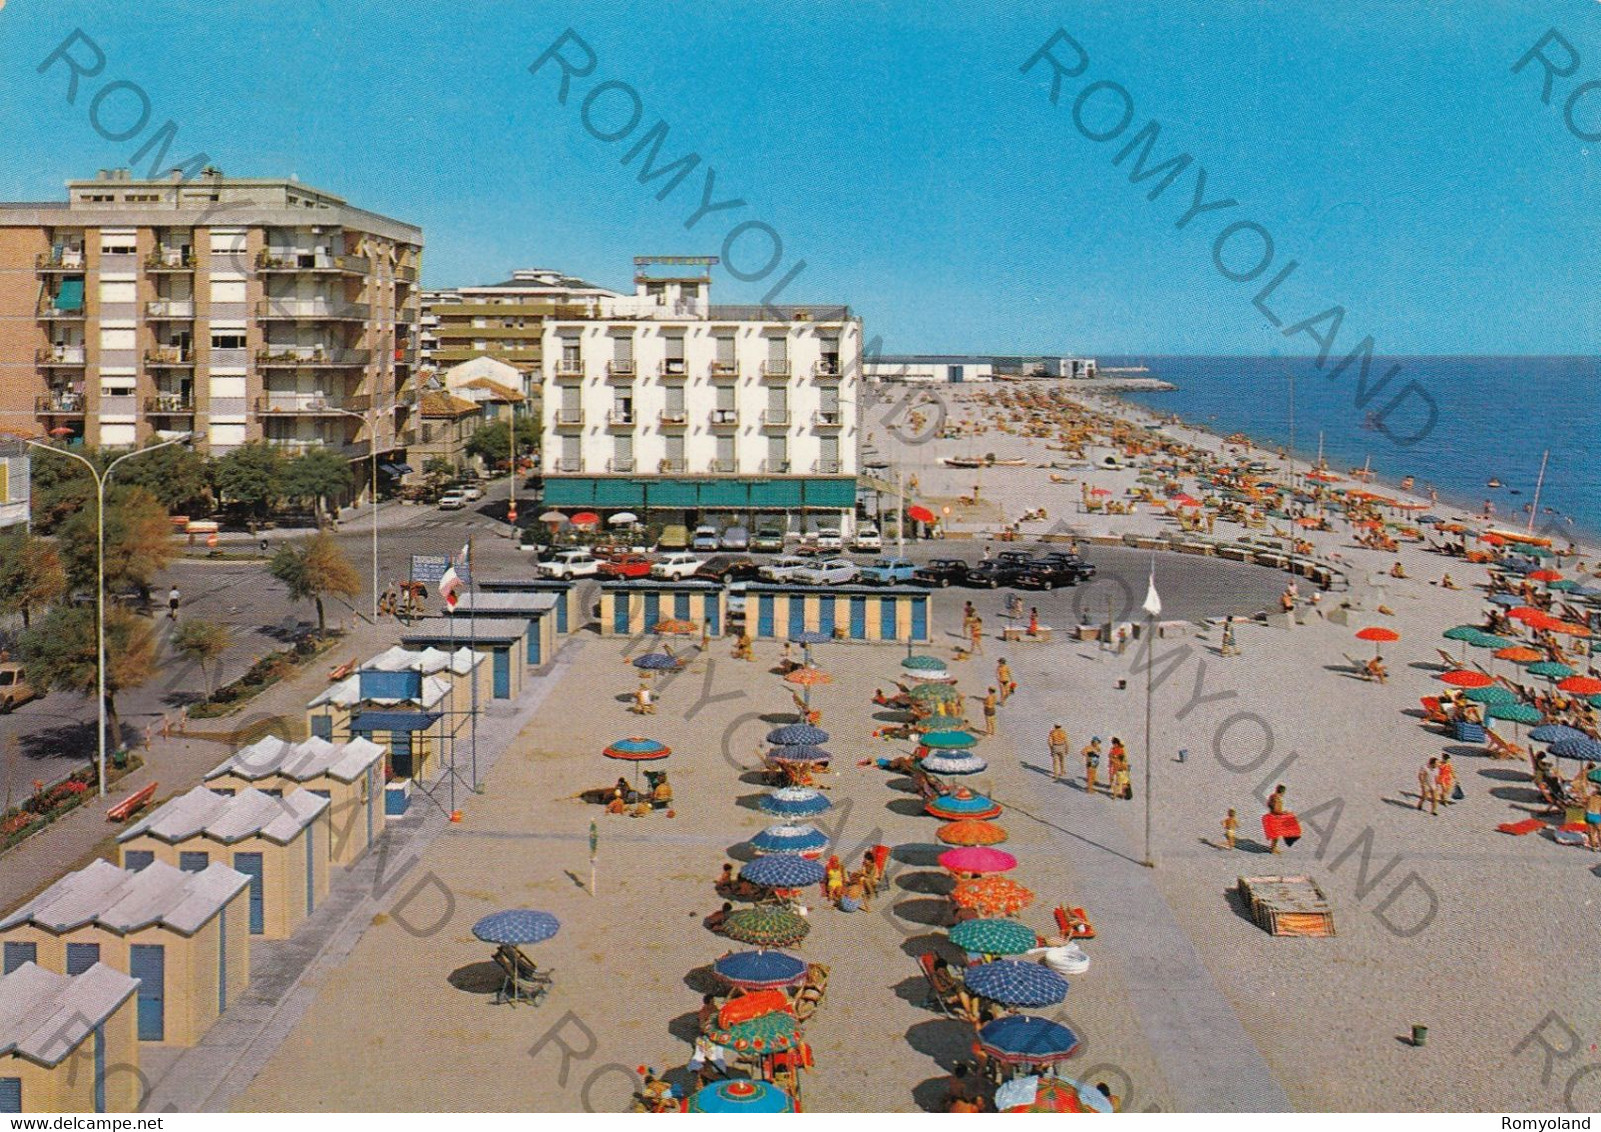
(810, 637)
(789, 839)
(795, 802)
(1556, 733)
(954, 764)
(516, 926)
(791, 753)
(1023, 1038)
(760, 970)
(1012, 982)
(741, 1096)
(655, 662)
(782, 870)
(1507, 600)
(1585, 750)
(798, 735)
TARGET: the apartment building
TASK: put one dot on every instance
(503, 320)
(235, 309)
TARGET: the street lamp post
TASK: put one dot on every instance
(371, 417)
(101, 479)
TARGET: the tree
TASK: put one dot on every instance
(30, 575)
(177, 475)
(138, 541)
(314, 476)
(203, 642)
(316, 568)
(249, 479)
(492, 442)
(59, 487)
(438, 470)
(61, 653)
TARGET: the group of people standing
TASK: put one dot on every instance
(1118, 784)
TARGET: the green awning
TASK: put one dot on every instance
(619, 493)
(776, 493)
(70, 297)
(725, 493)
(840, 494)
(564, 492)
(673, 493)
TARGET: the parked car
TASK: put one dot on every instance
(867, 539)
(735, 538)
(705, 539)
(941, 572)
(626, 566)
(995, 573)
(889, 572)
(452, 501)
(472, 492)
(768, 540)
(1073, 562)
(729, 568)
(678, 565)
(674, 537)
(1047, 574)
(828, 572)
(571, 564)
(783, 569)
(828, 539)
(14, 687)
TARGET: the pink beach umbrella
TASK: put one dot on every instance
(977, 860)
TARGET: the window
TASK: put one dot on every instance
(778, 454)
(623, 453)
(828, 398)
(675, 452)
(227, 290)
(16, 954)
(82, 956)
(777, 353)
(725, 453)
(10, 1094)
(137, 859)
(194, 862)
(118, 243)
(675, 402)
(228, 339)
(622, 352)
(725, 351)
(675, 354)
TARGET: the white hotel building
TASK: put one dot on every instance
(662, 403)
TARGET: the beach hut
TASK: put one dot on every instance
(503, 638)
(632, 607)
(450, 685)
(539, 609)
(279, 843)
(350, 775)
(850, 613)
(569, 617)
(67, 1042)
(184, 935)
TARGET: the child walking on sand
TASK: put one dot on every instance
(1231, 830)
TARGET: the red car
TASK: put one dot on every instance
(627, 566)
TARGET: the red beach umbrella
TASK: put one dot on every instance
(1544, 576)
(1526, 614)
(919, 514)
(1580, 685)
(1378, 634)
(586, 519)
(1466, 678)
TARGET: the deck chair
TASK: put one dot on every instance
(1448, 660)
(1501, 749)
(516, 986)
(1433, 712)
(943, 993)
(1360, 667)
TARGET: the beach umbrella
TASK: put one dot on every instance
(1462, 632)
(675, 627)
(977, 859)
(795, 802)
(802, 839)
(782, 870)
(516, 926)
(766, 925)
(656, 662)
(1514, 713)
(992, 896)
(806, 638)
(1491, 694)
(1563, 585)
(1594, 701)
(1544, 576)
(919, 514)
(923, 664)
(741, 1096)
(971, 832)
(554, 518)
(1049, 1094)
(586, 519)
(1507, 600)
(1556, 733)
(954, 764)
(807, 677)
(1527, 613)
(946, 740)
(769, 1033)
(1570, 629)
(1024, 1039)
(798, 753)
(1586, 749)
(1519, 654)
(636, 750)
(1466, 678)
(1550, 669)
(1490, 641)
(993, 937)
(760, 970)
(797, 735)
(939, 721)
(963, 804)
(1378, 634)
(934, 694)
(622, 519)
(1579, 685)
(1012, 982)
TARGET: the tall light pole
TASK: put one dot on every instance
(101, 479)
(371, 417)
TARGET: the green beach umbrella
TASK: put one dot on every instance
(1491, 695)
(1462, 632)
(1562, 585)
(1550, 669)
(934, 694)
(923, 664)
(1594, 701)
(934, 724)
(1491, 641)
(949, 740)
(766, 925)
(1515, 713)
(993, 937)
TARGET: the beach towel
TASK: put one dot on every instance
(1519, 828)
(1286, 826)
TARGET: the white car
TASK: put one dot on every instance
(571, 564)
(867, 539)
(828, 539)
(676, 566)
(452, 501)
(705, 539)
(472, 492)
(783, 569)
(831, 572)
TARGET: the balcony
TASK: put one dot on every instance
(721, 466)
(569, 367)
(620, 372)
(569, 464)
(775, 418)
(60, 403)
(60, 259)
(775, 467)
(169, 259)
(569, 418)
(404, 274)
(724, 420)
(163, 356)
(60, 356)
(310, 357)
(48, 310)
(310, 404)
(171, 308)
(826, 467)
(828, 419)
(674, 420)
(620, 464)
(776, 370)
(330, 310)
(299, 259)
(724, 373)
(827, 370)
(673, 371)
(620, 418)
(169, 404)
(672, 465)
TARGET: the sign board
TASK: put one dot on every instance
(429, 568)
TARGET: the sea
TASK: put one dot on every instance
(1495, 419)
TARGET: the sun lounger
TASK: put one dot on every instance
(1432, 711)
(518, 984)
(1501, 749)
(943, 993)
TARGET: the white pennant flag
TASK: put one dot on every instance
(1153, 603)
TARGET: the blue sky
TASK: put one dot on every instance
(1386, 147)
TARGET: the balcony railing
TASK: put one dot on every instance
(313, 403)
(330, 309)
(620, 464)
(724, 418)
(310, 356)
(61, 402)
(720, 466)
(775, 370)
(60, 356)
(826, 467)
(48, 309)
(724, 371)
(828, 418)
(673, 369)
(826, 370)
(171, 308)
(618, 418)
(169, 356)
(674, 418)
(170, 259)
(297, 259)
(570, 464)
(775, 467)
(775, 418)
(60, 259)
(672, 464)
(169, 404)
(620, 371)
(569, 418)
(568, 367)
(405, 274)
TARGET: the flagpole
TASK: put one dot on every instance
(1153, 606)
